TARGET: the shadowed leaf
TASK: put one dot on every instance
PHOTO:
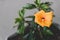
(47, 31)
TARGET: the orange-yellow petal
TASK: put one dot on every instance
(48, 18)
(44, 18)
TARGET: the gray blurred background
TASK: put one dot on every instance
(9, 11)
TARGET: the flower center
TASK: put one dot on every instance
(43, 19)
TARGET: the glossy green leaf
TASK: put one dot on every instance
(29, 6)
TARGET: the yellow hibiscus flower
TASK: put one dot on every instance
(44, 18)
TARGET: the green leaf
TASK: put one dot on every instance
(29, 6)
(37, 2)
(21, 28)
(48, 3)
(46, 31)
(21, 12)
(49, 32)
(45, 28)
(20, 20)
(31, 35)
(25, 36)
(17, 20)
(45, 7)
(32, 28)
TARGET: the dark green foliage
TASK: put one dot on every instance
(46, 7)
(21, 28)
(29, 6)
(47, 31)
(20, 20)
(48, 3)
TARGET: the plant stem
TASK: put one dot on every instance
(40, 32)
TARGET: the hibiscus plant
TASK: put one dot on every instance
(39, 27)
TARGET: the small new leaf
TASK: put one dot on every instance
(17, 20)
